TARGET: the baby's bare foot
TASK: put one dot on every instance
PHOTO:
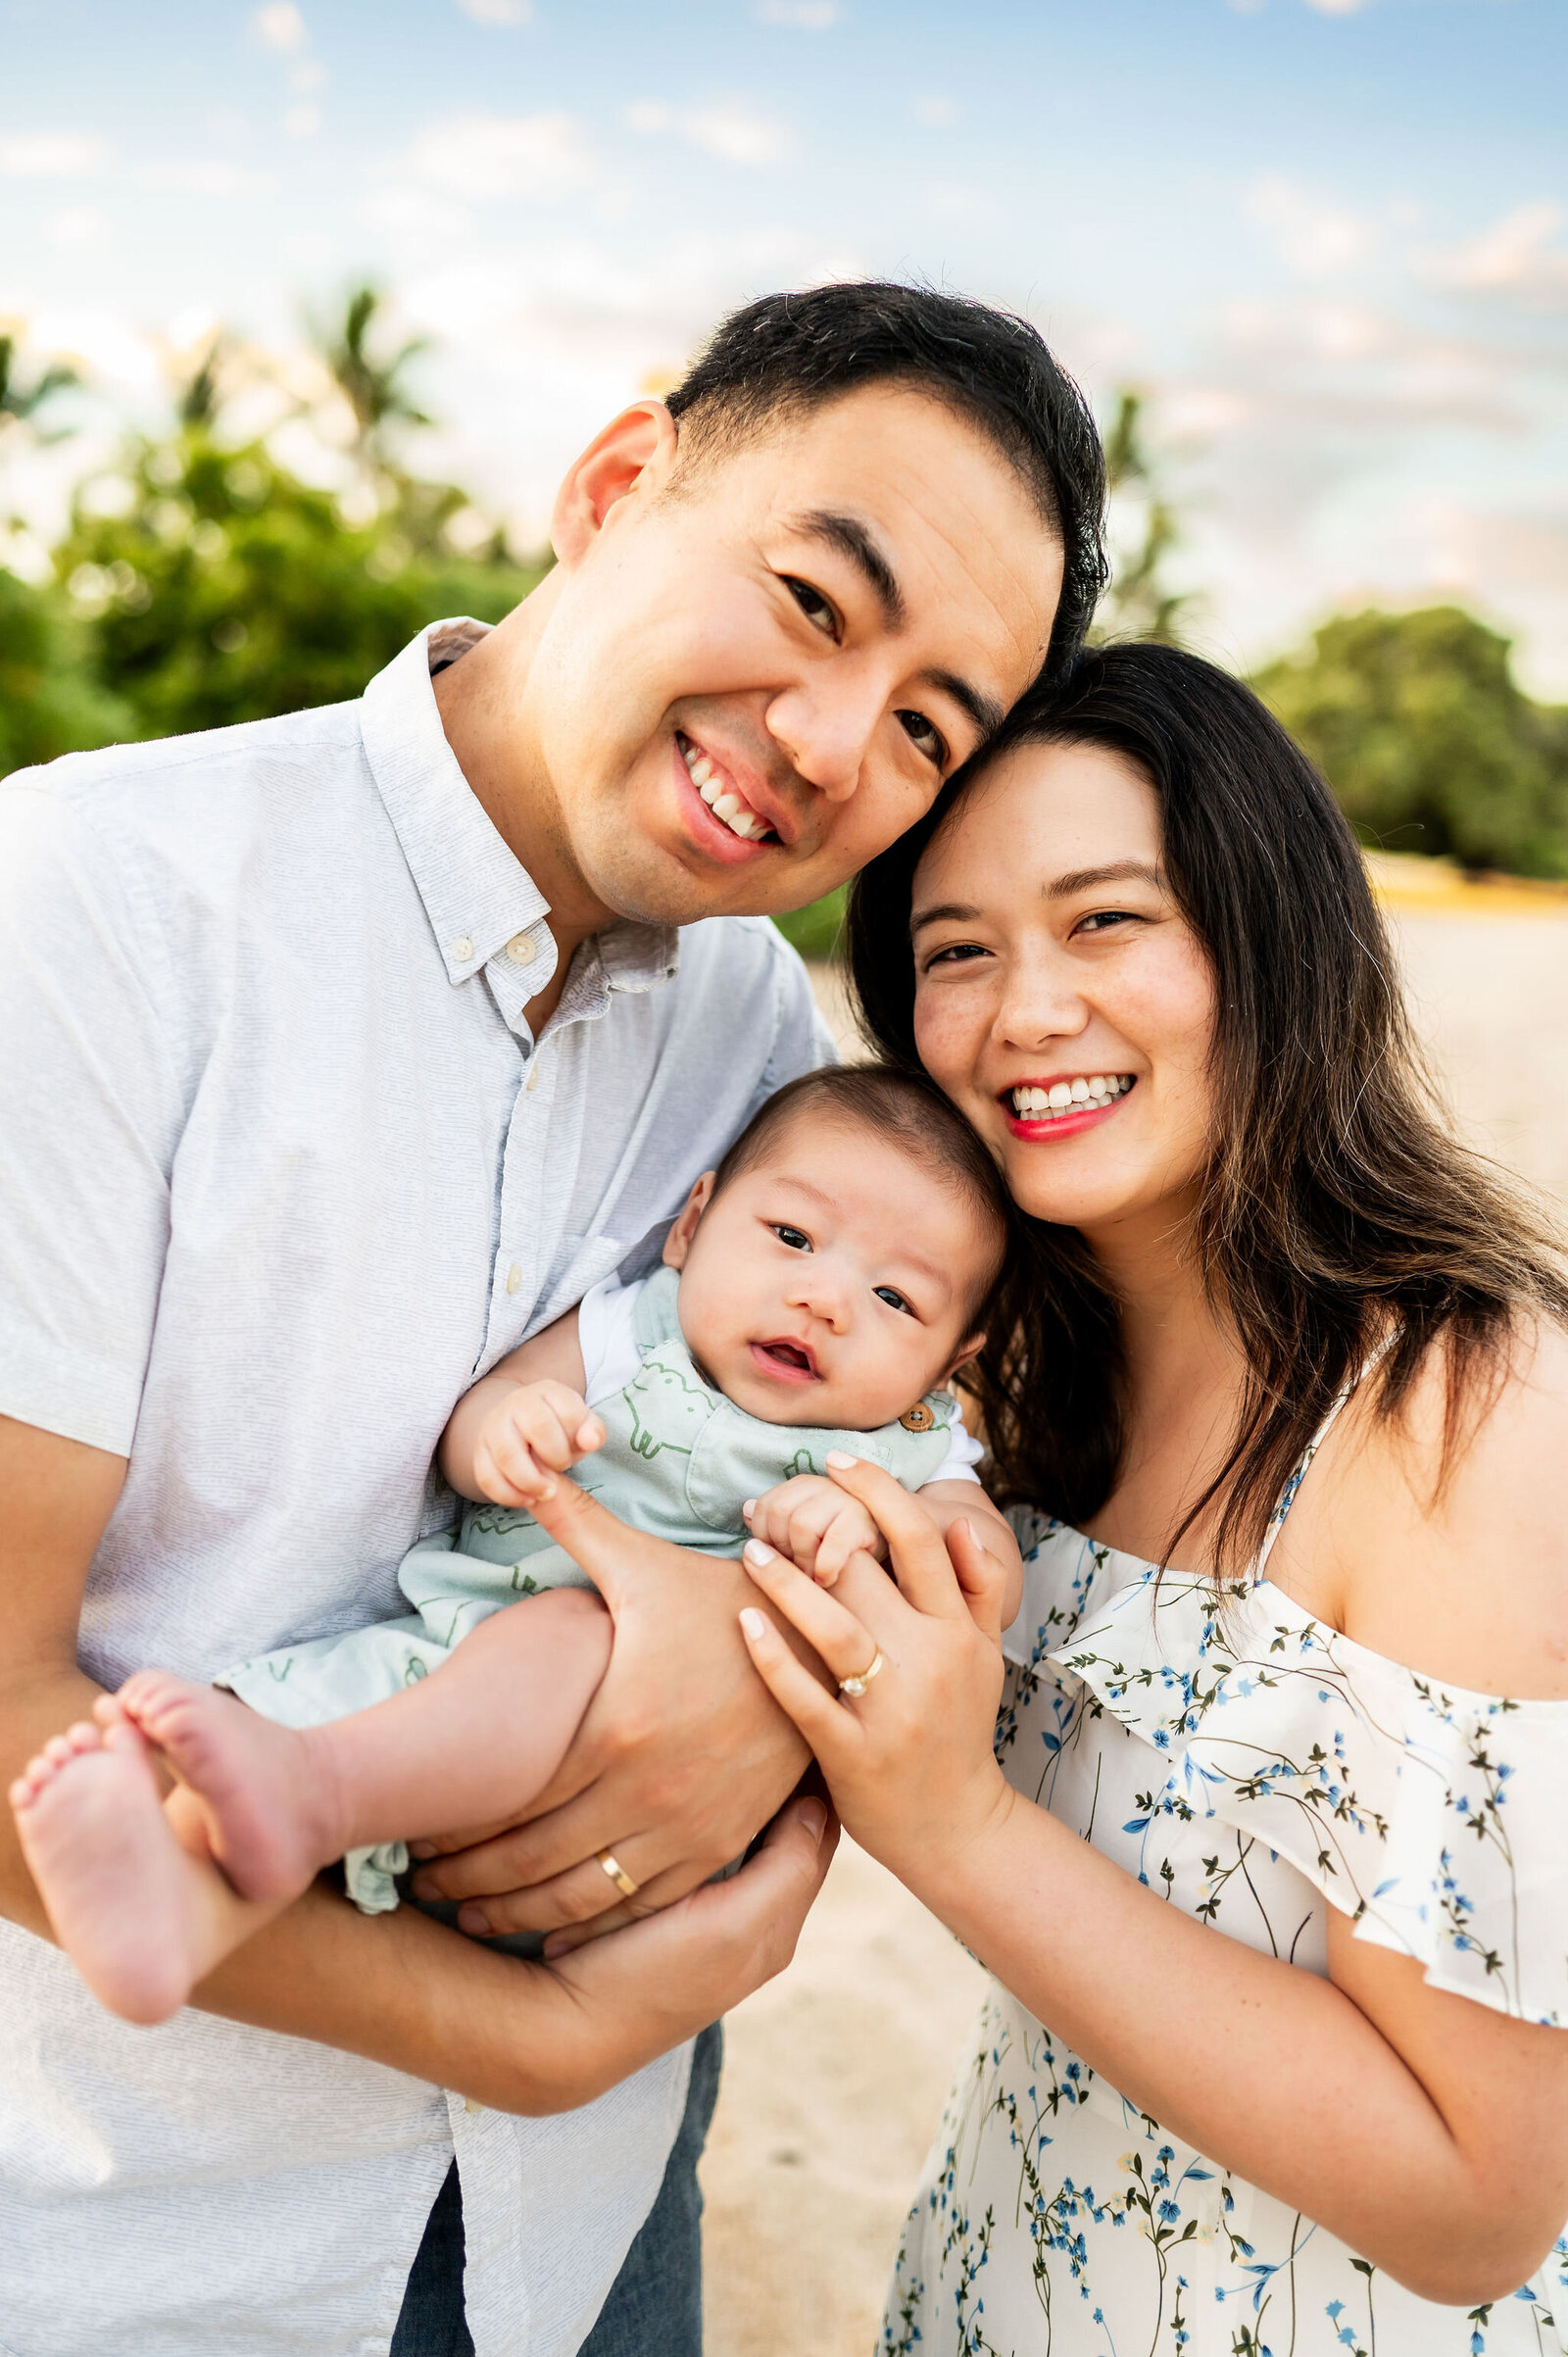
(110, 1873)
(267, 1799)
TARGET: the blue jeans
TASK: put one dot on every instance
(656, 2302)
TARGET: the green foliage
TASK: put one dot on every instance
(230, 591)
(50, 701)
(1418, 724)
(815, 930)
(1140, 602)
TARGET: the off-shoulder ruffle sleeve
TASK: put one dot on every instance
(1436, 1818)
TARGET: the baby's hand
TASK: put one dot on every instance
(534, 1431)
(814, 1522)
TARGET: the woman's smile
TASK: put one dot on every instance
(1063, 1106)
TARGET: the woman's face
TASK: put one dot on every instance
(1062, 998)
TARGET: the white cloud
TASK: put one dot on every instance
(1515, 256)
(301, 121)
(77, 226)
(279, 25)
(537, 156)
(1314, 238)
(1339, 8)
(201, 176)
(498, 12)
(52, 156)
(802, 16)
(729, 130)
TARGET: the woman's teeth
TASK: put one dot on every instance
(1069, 1096)
(738, 815)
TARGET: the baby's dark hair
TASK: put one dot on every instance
(914, 1114)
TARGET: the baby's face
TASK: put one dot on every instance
(830, 1283)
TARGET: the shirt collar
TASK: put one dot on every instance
(476, 892)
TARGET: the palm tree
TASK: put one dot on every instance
(372, 383)
(20, 404)
(1138, 603)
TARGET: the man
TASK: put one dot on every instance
(341, 1052)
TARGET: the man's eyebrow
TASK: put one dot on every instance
(851, 539)
(983, 710)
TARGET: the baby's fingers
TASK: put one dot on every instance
(848, 1531)
(507, 1472)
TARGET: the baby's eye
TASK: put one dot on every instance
(796, 1238)
(893, 1299)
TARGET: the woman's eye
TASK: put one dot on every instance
(796, 1238)
(894, 1299)
(924, 737)
(961, 954)
(814, 606)
(1103, 918)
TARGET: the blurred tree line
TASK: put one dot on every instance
(201, 582)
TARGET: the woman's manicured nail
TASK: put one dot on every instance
(475, 1921)
(756, 1551)
(813, 1816)
(749, 1508)
(752, 1625)
(839, 1461)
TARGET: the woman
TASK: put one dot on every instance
(1261, 1841)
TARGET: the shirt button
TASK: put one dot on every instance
(460, 950)
(532, 1081)
(522, 949)
(514, 1277)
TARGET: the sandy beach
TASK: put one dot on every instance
(836, 2073)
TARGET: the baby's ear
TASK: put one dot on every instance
(971, 1349)
(679, 1243)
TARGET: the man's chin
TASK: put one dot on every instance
(662, 888)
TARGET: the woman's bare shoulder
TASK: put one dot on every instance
(1455, 1561)
(1465, 1568)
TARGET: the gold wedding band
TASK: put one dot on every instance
(856, 1687)
(618, 1875)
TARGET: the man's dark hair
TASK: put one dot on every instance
(796, 352)
(912, 1112)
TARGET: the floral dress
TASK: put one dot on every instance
(1254, 1768)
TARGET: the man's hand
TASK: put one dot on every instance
(681, 1758)
(813, 1521)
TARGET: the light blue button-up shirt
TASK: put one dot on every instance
(283, 1171)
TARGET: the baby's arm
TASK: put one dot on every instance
(523, 1421)
(819, 1526)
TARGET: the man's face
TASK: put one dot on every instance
(760, 667)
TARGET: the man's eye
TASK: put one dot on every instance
(813, 604)
(894, 1299)
(796, 1238)
(924, 737)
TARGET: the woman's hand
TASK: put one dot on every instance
(909, 1761)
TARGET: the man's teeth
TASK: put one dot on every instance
(1068, 1096)
(738, 815)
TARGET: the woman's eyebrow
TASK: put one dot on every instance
(1116, 871)
(943, 913)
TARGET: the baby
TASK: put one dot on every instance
(819, 1290)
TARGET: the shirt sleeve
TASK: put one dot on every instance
(606, 1335)
(91, 1108)
(964, 1452)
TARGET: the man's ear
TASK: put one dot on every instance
(971, 1349)
(679, 1243)
(635, 450)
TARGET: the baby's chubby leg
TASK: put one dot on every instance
(147, 1898)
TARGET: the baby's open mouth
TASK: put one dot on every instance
(720, 796)
(793, 1360)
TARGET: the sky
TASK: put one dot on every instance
(1327, 238)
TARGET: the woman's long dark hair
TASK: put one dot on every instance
(1335, 1207)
